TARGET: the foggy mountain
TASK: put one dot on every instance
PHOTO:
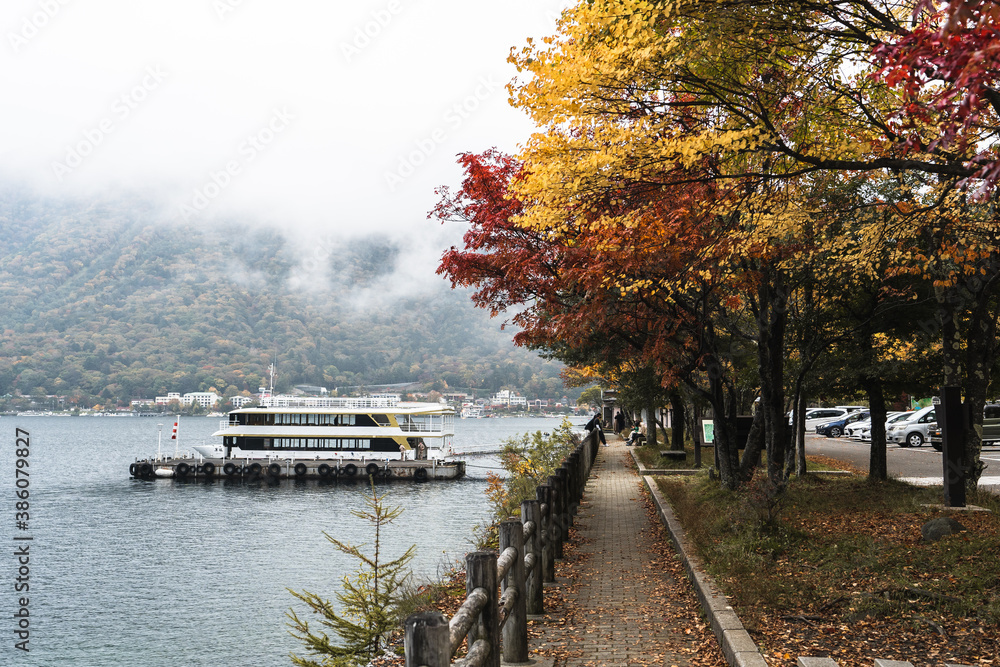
(104, 299)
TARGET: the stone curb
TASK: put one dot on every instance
(737, 646)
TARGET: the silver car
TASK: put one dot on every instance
(912, 431)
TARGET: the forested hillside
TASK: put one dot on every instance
(105, 300)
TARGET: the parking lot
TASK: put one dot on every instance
(917, 465)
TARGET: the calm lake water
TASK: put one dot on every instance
(159, 573)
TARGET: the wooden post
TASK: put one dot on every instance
(481, 572)
(951, 417)
(555, 516)
(572, 482)
(584, 469)
(426, 640)
(565, 518)
(548, 570)
(515, 630)
(697, 435)
(532, 511)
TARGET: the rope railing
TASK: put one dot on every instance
(503, 590)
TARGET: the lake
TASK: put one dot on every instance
(155, 572)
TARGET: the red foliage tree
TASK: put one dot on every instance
(948, 69)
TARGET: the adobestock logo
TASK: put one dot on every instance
(224, 7)
(366, 34)
(249, 149)
(121, 109)
(453, 118)
(32, 25)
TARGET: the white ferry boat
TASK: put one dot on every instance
(471, 412)
(322, 427)
(322, 437)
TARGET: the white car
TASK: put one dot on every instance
(862, 430)
(817, 416)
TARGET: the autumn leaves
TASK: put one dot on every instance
(746, 196)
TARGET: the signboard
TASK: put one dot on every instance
(708, 431)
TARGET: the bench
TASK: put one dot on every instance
(673, 455)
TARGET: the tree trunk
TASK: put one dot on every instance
(724, 428)
(650, 422)
(772, 316)
(676, 423)
(877, 466)
(755, 445)
(980, 351)
(800, 434)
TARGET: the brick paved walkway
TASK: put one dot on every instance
(616, 605)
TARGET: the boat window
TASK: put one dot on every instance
(381, 420)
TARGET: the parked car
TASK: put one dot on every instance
(835, 428)
(856, 429)
(817, 416)
(991, 428)
(863, 430)
(912, 431)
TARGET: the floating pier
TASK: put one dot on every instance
(189, 469)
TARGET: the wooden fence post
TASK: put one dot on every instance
(548, 570)
(573, 480)
(426, 641)
(515, 630)
(481, 572)
(565, 519)
(532, 511)
(556, 516)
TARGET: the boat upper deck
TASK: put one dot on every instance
(337, 416)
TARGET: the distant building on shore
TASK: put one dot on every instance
(507, 398)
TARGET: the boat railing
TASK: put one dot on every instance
(282, 401)
(427, 423)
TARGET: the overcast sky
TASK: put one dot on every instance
(318, 115)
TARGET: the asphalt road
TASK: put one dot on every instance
(917, 464)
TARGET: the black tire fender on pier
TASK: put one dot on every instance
(145, 470)
(253, 469)
(323, 470)
(350, 470)
(420, 474)
(371, 469)
(182, 469)
(274, 469)
(300, 469)
(133, 470)
(230, 469)
(208, 468)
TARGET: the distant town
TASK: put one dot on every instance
(503, 403)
